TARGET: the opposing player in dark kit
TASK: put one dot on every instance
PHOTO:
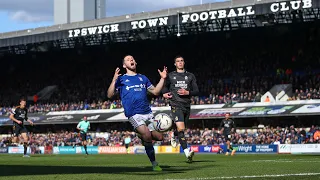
(180, 86)
(227, 126)
(18, 115)
(133, 89)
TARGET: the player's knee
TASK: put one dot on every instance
(180, 127)
(146, 137)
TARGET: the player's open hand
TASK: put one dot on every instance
(163, 73)
(183, 92)
(116, 74)
(167, 95)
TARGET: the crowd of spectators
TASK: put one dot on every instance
(267, 135)
(234, 67)
(228, 98)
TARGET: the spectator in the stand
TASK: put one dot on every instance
(277, 142)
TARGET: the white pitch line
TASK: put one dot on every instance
(284, 161)
(257, 176)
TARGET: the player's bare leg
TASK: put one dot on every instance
(229, 147)
(157, 136)
(15, 140)
(146, 138)
(183, 141)
(25, 144)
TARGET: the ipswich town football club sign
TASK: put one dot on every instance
(190, 17)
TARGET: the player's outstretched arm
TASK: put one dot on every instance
(221, 127)
(156, 90)
(78, 126)
(165, 90)
(28, 120)
(112, 87)
(31, 122)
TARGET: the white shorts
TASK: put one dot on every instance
(142, 119)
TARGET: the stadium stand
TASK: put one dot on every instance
(267, 135)
(233, 67)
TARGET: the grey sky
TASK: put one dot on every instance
(42, 10)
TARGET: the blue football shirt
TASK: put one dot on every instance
(133, 93)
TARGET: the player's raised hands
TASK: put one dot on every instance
(116, 74)
(163, 73)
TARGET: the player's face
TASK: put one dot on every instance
(129, 63)
(227, 116)
(179, 63)
(85, 118)
(23, 104)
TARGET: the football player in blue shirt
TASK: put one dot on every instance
(133, 89)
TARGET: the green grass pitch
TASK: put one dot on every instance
(131, 167)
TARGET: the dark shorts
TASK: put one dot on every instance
(19, 129)
(227, 137)
(127, 146)
(180, 115)
(83, 136)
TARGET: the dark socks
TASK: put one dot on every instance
(85, 148)
(182, 140)
(150, 151)
(25, 146)
(175, 133)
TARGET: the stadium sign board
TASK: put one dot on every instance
(207, 111)
(299, 148)
(193, 17)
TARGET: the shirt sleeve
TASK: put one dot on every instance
(195, 90)
(221, 125)
(118, 84)
(148, 83)
(79, 125)
(13, 111)
(233, 125)
(26, 117)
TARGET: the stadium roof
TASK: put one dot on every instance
(58, 32)
(137, 16)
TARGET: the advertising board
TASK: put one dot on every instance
(270, 110)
